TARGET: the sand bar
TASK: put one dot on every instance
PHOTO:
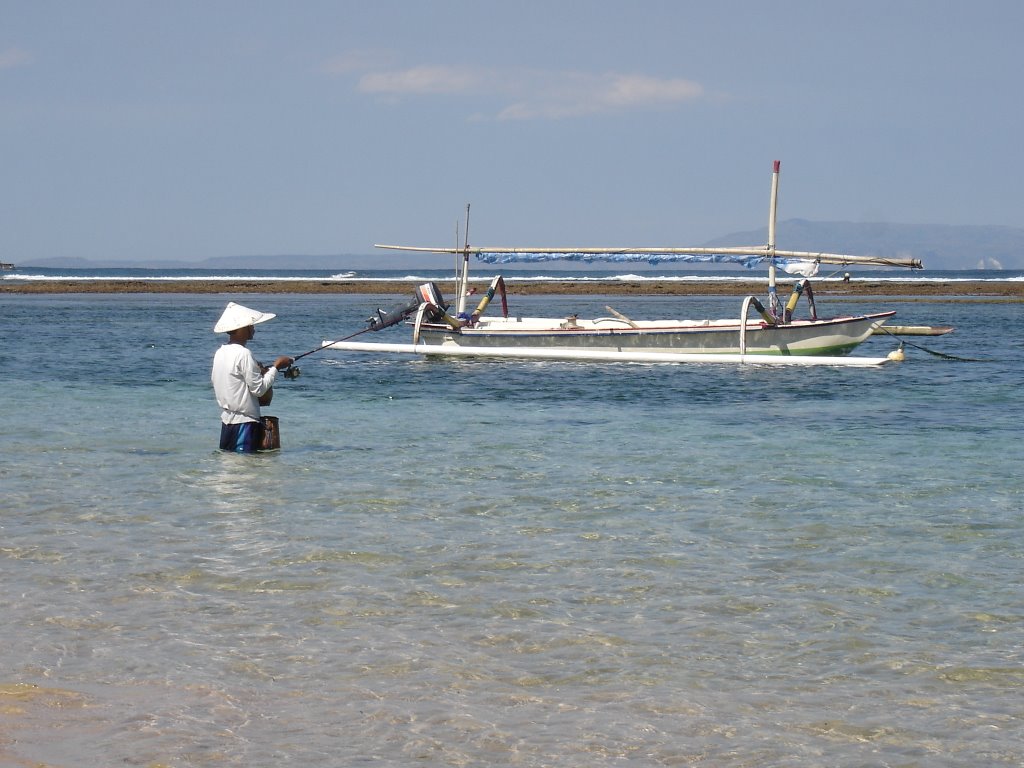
(1009, 291)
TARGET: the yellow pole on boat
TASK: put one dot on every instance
(794, 297)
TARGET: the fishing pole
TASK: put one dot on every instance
(376, 322)
(293, 371)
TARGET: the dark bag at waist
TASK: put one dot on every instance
(270, 440)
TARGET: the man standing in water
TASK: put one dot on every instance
(239, 382)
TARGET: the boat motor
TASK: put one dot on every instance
(437, 309)
(428, 293)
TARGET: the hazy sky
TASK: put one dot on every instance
(185, 130)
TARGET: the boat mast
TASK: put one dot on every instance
(464, 286)
(773, 295)
(457, 274)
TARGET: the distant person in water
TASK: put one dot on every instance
(239, 382)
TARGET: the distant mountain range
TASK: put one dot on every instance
(337, 262)
(939, 246)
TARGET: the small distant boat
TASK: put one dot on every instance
(6, 265)
(773, 336)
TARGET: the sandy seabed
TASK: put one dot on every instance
(1007, 291)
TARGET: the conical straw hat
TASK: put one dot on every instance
(236, 316)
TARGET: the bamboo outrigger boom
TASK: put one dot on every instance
(766, 252)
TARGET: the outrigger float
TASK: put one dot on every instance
(774, 337)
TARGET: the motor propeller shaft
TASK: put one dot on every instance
(393, 316)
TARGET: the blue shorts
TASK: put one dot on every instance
(242, 438)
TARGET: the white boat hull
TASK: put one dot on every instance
(835, 336)
(598, 355)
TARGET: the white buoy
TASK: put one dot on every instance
(897, 355)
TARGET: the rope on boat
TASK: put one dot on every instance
(943, 355)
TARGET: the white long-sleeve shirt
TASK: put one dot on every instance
(238, 383)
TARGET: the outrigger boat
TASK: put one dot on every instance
(775, 336)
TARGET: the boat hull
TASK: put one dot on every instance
(835, 336)
(601, 355)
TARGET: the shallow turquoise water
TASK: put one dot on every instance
(466, 563)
